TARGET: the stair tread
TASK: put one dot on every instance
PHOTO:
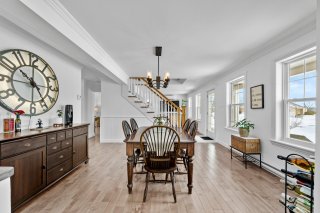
(132, 96)
(150, 112)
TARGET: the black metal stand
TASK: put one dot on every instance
(286, 181)
(245, 157)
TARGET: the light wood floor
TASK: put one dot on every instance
(220, 185)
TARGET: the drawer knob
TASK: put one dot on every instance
(27, 144)
(61, 156)
(55, 147)
(61, 169)
(67, 143)
(52, 138)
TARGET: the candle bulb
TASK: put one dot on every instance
(167, 76)
(149, 75)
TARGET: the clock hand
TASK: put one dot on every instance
(38, 89)
(25, 75)
(32, 82)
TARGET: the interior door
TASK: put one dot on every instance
(211, 114)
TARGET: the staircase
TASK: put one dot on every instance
(154, 103)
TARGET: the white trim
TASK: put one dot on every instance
(59, 17)
(231, 129)
(111, 140)
(121, 116)
(292, 145)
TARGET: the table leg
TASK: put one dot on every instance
(190, 173)
(130, 173)
(245, 160)
(231, 152)
(260, 160)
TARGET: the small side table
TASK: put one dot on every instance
(247, 146)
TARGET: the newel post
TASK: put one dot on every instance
(183, 117)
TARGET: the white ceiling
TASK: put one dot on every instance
(199, 38)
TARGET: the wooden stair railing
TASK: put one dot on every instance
(155, 101)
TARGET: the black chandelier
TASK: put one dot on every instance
(158, 82)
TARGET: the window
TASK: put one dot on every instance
(237, 101)
(190, 107)
(198, 105)
(211, 111)
(299, 89)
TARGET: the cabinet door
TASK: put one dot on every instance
(29, 174)
(80, 149)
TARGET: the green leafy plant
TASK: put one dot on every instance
(159, 121)
(244, 124)
(60, 113)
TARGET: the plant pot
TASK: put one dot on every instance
(58, 120)
(244, 132)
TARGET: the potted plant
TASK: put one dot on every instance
(244, 127)
(159, 121)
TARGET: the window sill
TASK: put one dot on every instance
(231, 129)
(284, 143)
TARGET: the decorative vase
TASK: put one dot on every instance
(18, 124)
(243, 132)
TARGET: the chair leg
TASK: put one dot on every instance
(166, 178)
(154, 177)
(173, 189)
(146, 189)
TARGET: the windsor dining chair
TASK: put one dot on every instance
(160, 145)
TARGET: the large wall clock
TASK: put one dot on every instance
(27, 82)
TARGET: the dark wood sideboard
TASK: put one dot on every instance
(41, 158)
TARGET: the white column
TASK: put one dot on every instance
(317, 146)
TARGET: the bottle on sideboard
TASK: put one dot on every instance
(299, 162)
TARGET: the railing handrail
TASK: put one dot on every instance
(159, 93)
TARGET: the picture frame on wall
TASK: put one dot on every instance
(257, 97)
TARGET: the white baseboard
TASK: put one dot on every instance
(111, 140)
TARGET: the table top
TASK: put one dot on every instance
(135, 137)
(26, 133)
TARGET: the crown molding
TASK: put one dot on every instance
(54, 13)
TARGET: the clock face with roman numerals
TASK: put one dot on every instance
(27, 82)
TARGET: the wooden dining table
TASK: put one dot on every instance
(133, 142)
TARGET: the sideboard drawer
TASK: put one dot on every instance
(69, 134)
(51, 138)
(61, 136)
(20, 146)
(53, 148)
(58, 171)
(80, 131)
(66, 143)
(59, 157)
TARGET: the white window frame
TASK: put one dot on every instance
(230, 104)
(286, 99)
(198, 107)
(190, 107)
(280, 110)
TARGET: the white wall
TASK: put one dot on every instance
(260, 71)
(114, 109)
(67, 72)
